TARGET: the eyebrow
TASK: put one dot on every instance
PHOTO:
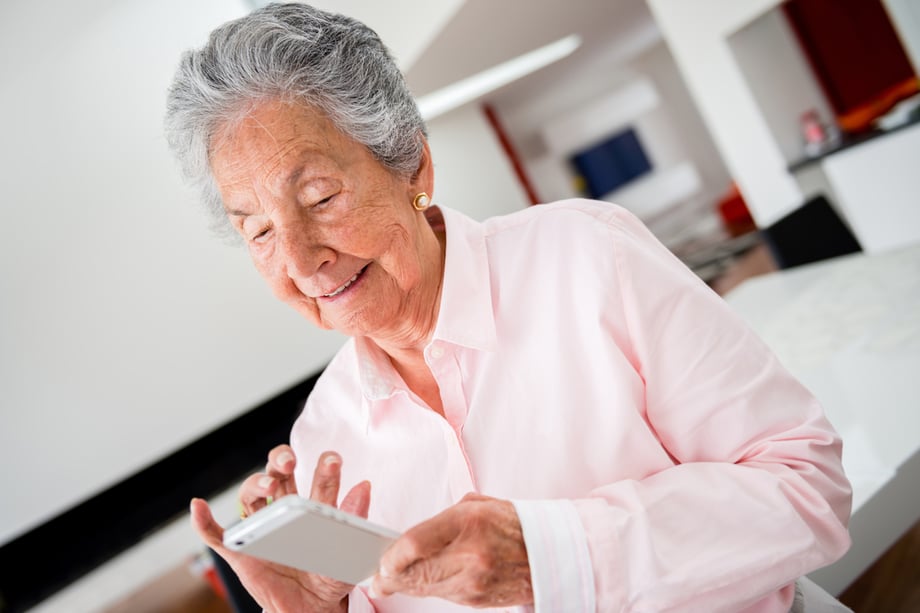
(291, 178)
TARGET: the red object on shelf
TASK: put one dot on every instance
(734, 212)
(812, 129)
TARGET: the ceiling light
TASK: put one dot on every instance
(466, 90)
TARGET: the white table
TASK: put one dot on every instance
(849, 329)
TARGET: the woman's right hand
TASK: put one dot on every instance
(277, 588)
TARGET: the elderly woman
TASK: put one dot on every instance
(553, 410)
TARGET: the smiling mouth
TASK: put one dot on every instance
(346, 285)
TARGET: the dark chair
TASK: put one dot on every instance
(238, 597)
(812, 232)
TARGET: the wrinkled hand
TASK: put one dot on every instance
(472, 553)
(277, 588)
(277, 480)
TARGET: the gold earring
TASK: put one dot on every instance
(421, 201)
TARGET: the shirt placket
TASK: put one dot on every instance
(446, 370)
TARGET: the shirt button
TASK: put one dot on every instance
(437, 353)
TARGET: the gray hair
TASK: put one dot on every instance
(294, 53)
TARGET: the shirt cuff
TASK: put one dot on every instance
(359, 601)
(561, 573)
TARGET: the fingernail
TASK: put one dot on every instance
(372, 592)
(332, 459)
(284, 458)
(265, 482)
(384, 571)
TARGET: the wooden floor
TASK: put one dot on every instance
(181, 590)
(892, 584)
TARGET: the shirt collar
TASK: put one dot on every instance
(465, 315)
(377, 376)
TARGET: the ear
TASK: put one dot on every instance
(423, 178)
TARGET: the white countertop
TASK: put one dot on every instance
(849, 329)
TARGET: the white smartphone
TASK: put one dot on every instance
(312, 536)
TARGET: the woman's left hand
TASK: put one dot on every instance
(472, 553)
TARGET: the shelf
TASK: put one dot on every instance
(851, 141)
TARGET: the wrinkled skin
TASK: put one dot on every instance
(277, 588)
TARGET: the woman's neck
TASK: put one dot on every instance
(409, 362)
(407, 338)
(406, 346)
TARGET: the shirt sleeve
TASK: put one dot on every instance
(359, 602)
(557, 550)
(756, 497)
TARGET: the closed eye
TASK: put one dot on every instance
(261, 236)
(325, 200)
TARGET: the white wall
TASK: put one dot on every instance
(781, 80)
(696, 34)
(416, 22)
(670, 127)
(675, 130)
(600, 118)
(472, 172)
(878, 189)
(126, 329)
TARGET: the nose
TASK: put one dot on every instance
(303, 252)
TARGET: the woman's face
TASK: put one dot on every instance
(332, 231)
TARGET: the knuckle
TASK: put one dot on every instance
(324, 490)
(249, 486)
(411, 546)
(479, 590)
(422, 575)
(479, 584)
(482, 561)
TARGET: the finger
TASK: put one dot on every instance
(475, 497)
(461, 575)
(281, 461)
(205, 525)
(358, 500)
(280, 465)
(326, 478)
(484, 564)
(422, 541)
(442, 575)
(286, 487)
(254, 491)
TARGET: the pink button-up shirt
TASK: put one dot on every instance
(658, 455)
